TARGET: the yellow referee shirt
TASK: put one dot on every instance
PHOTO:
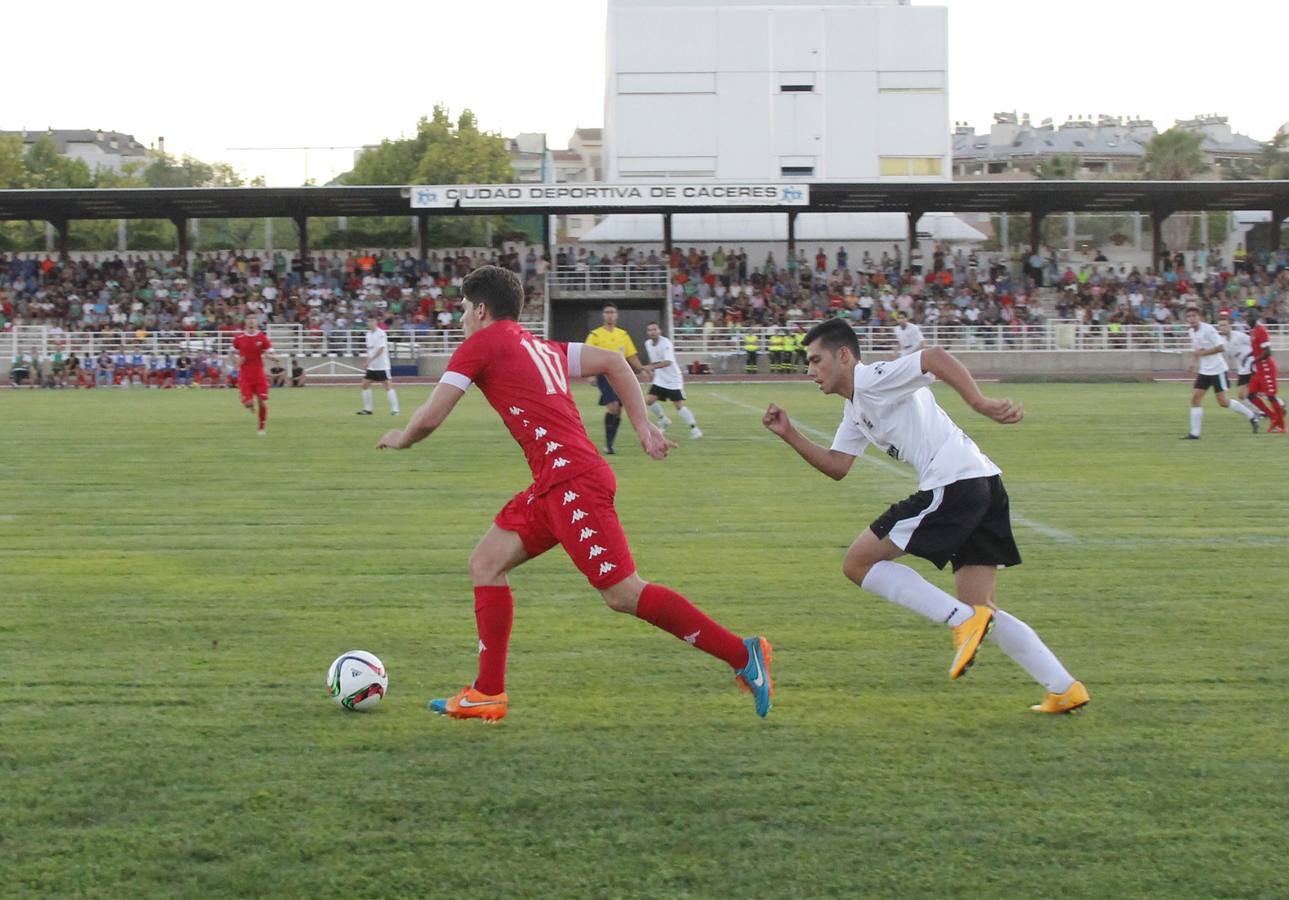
(617, 339)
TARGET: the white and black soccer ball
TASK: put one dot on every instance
(357, 680)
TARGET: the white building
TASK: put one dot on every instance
(99, 149)
(535, 162)
(832, 90)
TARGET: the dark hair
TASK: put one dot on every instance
(834, 334)
(496, 288)
(1193, 309)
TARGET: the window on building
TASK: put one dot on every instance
(898, 166)
(788, 171)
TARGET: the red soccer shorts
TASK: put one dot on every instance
(579, 516)
(1265, 378)
(253, 384)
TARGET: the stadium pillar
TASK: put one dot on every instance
(546, 239)
(913, 216)
(1273, 234)
(1035, 229)
(422, 237)
(60, 225)
(666, 236)
(181, 234)
(1157, 217)
(302, 229)
(792, 235)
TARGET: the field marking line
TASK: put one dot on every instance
(1047, 531)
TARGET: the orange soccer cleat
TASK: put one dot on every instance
(1075, 697)
(472, 704)
(968, 637)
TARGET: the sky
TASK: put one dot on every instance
(219, 82)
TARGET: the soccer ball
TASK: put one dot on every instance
(357, 680)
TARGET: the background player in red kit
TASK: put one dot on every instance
(251, 346)
(1264, 387)
(570, 501)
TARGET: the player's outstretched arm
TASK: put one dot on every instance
(946, 367)
(428, 416)
(618, 371)
(832, 463)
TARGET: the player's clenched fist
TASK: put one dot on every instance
(776, 420)
(393, 439)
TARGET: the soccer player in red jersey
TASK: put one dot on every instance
(1264, 387)
(251, 346)
(570, 502)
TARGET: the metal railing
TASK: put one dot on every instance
(409, 344)
(622, 280)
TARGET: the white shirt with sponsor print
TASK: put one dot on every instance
(377, 340)
(669, 377)
(1239, 351)
(894, 409)
(1206, 337)
(909, 337)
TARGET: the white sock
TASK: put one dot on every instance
(1197, 415)
(367, 399)
(393, 400)
(1237, 407)
(688, 416)
(905, 587)
(656, 409)
(1023, 645)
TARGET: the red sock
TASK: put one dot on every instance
(1256, 400)
(1277, 413)
(264, 413)
(494, 610)
(664, 608)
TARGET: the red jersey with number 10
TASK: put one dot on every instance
(252, 347)
(525, 379)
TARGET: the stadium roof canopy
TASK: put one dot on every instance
(1045, 197)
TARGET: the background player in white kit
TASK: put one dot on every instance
(377, 368)
(908, 335)
(1210, 372)
(668, 383)
(1239, 351)
(960, 513)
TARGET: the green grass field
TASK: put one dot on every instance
(173, 588)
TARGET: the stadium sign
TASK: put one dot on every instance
(621, 194)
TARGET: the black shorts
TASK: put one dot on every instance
(1216, 382)
(607, 394)
(967, 523)
(1245, 378)
(675, 395)
(375, 375)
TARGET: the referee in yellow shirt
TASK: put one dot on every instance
(610, 337)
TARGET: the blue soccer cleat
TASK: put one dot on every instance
(755, 676)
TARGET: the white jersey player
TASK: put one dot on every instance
(960, 513)
(668, 382)
(908, 335)
(1239, 351)
(1210, 372)
(377, 368)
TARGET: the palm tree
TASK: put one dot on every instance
(1174, 155)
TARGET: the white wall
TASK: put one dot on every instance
(694, 88)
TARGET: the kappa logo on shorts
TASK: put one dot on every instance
(560, 462)
(539, 433)
(578, 515)
(552, 446)
(595, 551)
(586, 533)
(515, 410)
(569, 497)
(606, 567)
